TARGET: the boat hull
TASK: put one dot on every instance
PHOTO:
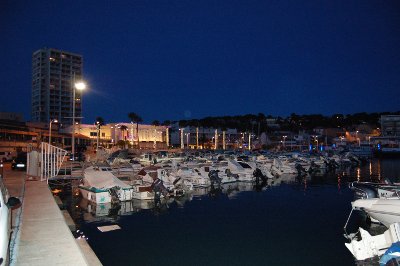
(103, 196)
(386, 211)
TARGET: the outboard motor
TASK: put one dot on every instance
(114, 195)
(300, 169)
(158, 188)
(313, 167)
(331, 164)
(214, 178)
(259, 175)
(179, 187)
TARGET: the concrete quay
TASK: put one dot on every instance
(40, 233)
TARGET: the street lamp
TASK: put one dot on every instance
(77, 86)
(182, 144)
(187, 140)
(357, 139)
(51, 121)
(98, 134)
(284, 141)
(155, 138)
(316, 140)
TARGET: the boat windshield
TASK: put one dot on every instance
(244, 165)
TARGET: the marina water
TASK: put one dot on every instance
(292, 221)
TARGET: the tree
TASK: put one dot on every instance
(135, 118)
(155, 123)
(166, 123)
(123, 128)
(183, 123)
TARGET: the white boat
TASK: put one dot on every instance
(170, 181)
(142, 191)
(100, 185)
(384, 210)
(200, 191)
(371, 246)
(123, 170)
(227, 176)
(198, 176)
(147, 159)
(105, 211)
(281, 166)
(234, 171)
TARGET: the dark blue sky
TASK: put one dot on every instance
(190, 59)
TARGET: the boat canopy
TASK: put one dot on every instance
(102, 178)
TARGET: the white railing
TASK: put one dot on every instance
(46, 162)
(51, 159)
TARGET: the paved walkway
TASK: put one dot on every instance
(41, 235)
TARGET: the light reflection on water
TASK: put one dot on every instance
(291, 221)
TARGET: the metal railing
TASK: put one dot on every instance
(45, 162)
(51, 159)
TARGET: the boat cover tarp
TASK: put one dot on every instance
(102, 178)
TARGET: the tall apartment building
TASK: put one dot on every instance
(53, 75)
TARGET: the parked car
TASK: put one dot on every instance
(20, 161)
(5, 156)
(7, 204)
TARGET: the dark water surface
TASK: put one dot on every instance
(294, 221)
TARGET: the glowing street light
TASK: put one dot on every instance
(51, 121)
(358, 140)
(77, 86)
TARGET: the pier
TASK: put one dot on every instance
(41, 235)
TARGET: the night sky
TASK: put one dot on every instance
(187, 59)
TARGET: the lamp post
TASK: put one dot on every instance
(77, 86)
(98, 134)
(154, 138)
(167, 136)
(216, 139)
(51, 121)
(223, 140)
(250, 135)
(182, 144)
(284, 141)
(113, 136)
(187, 140)
(316, 140)
(358, 140)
